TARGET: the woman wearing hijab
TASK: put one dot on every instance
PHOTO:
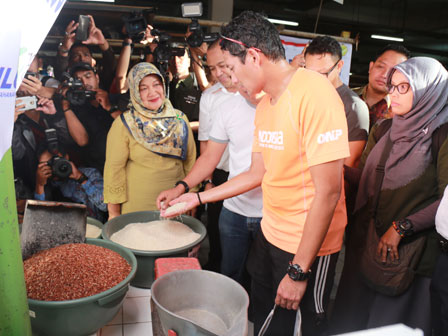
(412, 185)
(149, 148)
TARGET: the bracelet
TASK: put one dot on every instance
(187, 188)
(67, 109)
(199, 198)
(397, 228)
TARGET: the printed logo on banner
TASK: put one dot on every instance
(8, 82)
(58, 3)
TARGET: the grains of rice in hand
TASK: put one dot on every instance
(73, 271)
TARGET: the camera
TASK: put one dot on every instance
(164, 52)
(135, 24)
(193, 10)
(60, 166)
(76, 94)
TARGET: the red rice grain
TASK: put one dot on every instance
(73, 271)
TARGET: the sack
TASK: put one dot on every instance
(393, 277)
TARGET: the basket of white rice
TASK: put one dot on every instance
(149, 238)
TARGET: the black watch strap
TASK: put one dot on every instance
(296, 273)
(187, 188)
(82, 179)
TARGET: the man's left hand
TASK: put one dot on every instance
(102, 97)
(290, 293)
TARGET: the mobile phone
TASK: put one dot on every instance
(82, 33)
(30, 103)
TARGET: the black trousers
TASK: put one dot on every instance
(439, 296)
(213, 211)
(267, 265)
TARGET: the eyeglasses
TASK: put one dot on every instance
(402, 88)
(326, 74)
(239, 42)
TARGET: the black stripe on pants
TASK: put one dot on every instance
(267, 265)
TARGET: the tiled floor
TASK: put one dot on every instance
(134, 319)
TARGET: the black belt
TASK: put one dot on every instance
(443, 243)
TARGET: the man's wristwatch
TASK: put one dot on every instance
(206, 182)
(82, 179)
(61, 49)
(113, 109)
(296, 273)
(404, 227)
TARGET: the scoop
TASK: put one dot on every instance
(49, 224)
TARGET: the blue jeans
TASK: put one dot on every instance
(237, 233)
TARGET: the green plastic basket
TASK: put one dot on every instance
(83, 316)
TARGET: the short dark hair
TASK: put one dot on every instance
(254, 30)
(324, 45)
(398, 48)
(77, 45)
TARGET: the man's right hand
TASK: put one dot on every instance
(70, 35)
(43, 174)
(167, 196)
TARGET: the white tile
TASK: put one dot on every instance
(115, 330)
(118, 319)
(136, 292)
(137, 309)
(138, 329)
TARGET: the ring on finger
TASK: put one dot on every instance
(388, 249)
(67, 33)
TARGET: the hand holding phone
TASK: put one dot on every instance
(29, 103)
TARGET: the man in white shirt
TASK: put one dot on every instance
(232, 127)
(439, 284)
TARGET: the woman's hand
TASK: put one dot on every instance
(389, 244)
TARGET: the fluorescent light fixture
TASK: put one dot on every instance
(283, 22)
(388, 38)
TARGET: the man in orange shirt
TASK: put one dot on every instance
(300, 142)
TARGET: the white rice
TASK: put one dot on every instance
(156, 235)
(92, 231)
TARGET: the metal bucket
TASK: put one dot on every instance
(146, 259)
(200, 303)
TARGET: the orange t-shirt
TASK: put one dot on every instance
(306, 127)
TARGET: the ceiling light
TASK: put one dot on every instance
(283, 22)
(388, 38)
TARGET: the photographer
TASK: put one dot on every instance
(89, 113)
(29, 131)
(82, 185)
(71, 51)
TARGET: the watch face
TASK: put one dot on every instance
(405, 225)
(296, 273)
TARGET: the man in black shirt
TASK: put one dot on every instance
(89, 123)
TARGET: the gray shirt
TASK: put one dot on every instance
(357, 114)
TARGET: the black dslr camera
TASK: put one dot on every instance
(194, 10)
(76, 94)
(60, 166)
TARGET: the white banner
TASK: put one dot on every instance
(24, 24)
(295, 45)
